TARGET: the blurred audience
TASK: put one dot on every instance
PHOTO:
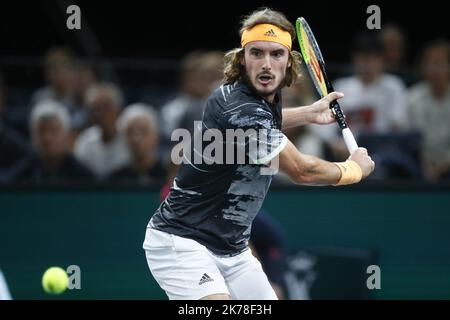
(101, 147)
(429, 110)
(139, 124)
(395, 46)
(201, 73)
(67, 80)
(13, 147)
(52, 161)
(59, 75)
(84, 78)
(406, 132)
(374, 102)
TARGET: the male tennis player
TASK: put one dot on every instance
(197, 241)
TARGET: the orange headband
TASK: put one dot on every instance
(267, 32)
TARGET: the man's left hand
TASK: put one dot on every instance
(320, 110)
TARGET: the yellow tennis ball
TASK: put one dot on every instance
(55, 280)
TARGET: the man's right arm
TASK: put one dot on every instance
(309, 170)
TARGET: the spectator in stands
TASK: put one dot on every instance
(139, 124)
(52, 162)
(200, 75)
(395, 47)
(374, 102)
(65, 79)
(84, 78)
(101, 148)
(59, 75)
(429, 109)
(13, 147)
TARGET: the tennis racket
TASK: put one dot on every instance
(316, 68)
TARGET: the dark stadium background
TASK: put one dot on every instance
(166, 30)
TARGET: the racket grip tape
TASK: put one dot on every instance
(349, 139)
(338, 114)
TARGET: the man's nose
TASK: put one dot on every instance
(267, 62)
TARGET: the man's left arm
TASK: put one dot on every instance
(319, 112)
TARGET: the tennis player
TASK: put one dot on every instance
(196, 243)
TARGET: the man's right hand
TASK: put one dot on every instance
(365, 162)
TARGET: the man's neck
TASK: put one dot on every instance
(270, 99)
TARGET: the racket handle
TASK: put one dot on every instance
(338, 114)
(349, 139)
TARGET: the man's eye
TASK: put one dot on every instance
(256, 53)
(277, 54)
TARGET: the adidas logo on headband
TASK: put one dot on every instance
(270, 33)
(267, 32)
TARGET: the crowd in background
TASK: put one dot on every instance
(79, 127)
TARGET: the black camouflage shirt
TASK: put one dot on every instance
(215, 203)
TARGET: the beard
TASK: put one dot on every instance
(266, 93)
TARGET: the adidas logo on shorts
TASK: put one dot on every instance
(205, 278)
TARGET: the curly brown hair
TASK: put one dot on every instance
(234, 70)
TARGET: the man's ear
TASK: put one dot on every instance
(242, 59)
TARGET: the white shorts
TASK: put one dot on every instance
(186, 270)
